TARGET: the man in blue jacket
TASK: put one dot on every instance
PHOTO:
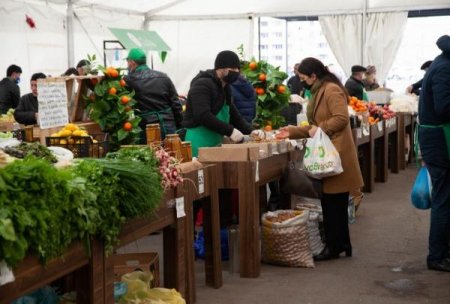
(244, 98)
(434, 139)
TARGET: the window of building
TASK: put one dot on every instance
(418, 45)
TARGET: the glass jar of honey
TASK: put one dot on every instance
(172, 144)
(153, 132)
(186, 151)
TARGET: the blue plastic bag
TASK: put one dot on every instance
(199, 245)
(421, 191)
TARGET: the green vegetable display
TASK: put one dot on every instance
(43, 209)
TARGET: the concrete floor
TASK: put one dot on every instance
(388, 265)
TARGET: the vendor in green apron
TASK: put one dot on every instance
(157, 97)
(210, 112)
(355, 85)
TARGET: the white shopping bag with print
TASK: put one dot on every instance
(321, 157)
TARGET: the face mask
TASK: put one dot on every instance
(17, 80)
(305, 85)
(231, 77)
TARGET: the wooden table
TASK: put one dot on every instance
(248, 177)
(200, 183)
(174, 245)
(366, 157)
(379, 145)
(31, 275)
(391, 136)
(404, 126)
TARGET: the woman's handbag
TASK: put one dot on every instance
(421, 191)
(296, 181)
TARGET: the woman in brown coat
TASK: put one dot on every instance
(328, 110)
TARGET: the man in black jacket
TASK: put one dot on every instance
(354, 85)
(434, 140)
(156, 95)
(9, 90)
(210, 110)
(415, 87)
(27, 111)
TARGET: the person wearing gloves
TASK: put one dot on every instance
(328, 110)
(210, 112)
(415, 87)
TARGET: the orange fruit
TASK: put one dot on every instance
(281, 89)
(125, 99)
(122, 83)
(112, 91)
(253, 65)
(92, 97)
(127, 126)
(128, 109)
(113, 73)
(262, 77)
(260, 91)
(268, 128)
(94, 81)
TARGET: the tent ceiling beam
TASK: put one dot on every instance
(162, 7)
(83, 4)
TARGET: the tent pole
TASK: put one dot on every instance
(363, 33)
(70, 39)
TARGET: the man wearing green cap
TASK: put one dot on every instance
(156, 95)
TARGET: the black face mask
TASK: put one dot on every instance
(305, 85)
(231, 77)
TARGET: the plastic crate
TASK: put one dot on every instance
(82, 146)
(129, 262)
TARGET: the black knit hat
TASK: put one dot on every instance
(227, 59)
(358, 68)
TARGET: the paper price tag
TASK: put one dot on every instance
(201, 182)
(380, 126)
(6, 274)
(179, 205)
(358, 133)
(257, 172)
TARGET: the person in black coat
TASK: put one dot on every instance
(415, 87)
(9, 90)
(354, 85)
(294, 84)
(27, 111)
(244, 98)
(155, 93)
(434, 140)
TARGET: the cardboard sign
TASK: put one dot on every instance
(179, 205)
(201, 182)
(52, 100)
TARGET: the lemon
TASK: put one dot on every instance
(71, 127)
(71, 141)
(65, 133)
(78, 133)
(63, 142)
(304, 123)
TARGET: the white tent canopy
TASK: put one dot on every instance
(196, 30)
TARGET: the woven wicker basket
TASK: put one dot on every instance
(286, 243)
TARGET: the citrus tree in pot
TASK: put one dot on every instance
(272, 94)
(111, 105)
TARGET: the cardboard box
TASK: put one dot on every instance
(265, 148)
(235, 152)
(129, 262)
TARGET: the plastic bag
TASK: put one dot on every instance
(422, 189)
(321, 158)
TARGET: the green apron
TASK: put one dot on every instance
(203, 137)
(365, 96)
(446, 129)
(159, 117)
(308, 94)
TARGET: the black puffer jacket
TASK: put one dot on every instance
(9, 95)
(25, 112)
(156, 92)
(206, 98)
(434, 107)
(355, 87)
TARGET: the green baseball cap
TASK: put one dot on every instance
(136, 55)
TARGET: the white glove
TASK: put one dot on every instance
(237, 136)
(294, 98)
(258, 134)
